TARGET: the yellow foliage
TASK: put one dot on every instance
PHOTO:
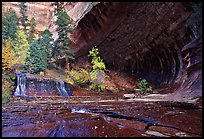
(7, 85)
(42, 73)
(21, 47)
(8, 55)
(69, 80)
(81, 75)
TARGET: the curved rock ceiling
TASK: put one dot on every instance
(144, 40)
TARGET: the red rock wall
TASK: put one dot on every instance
(191, 86)
(142, 39)
(41, 11)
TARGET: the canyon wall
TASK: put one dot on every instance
(43, 13)
(145, 39)
(39, 10)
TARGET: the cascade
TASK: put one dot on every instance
(30, 84)
(61, 88)
(21, 85)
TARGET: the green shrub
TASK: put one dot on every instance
(5, 96)
(100, 87)
(83, 77)
(143, 86)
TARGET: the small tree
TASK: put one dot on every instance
(32, 30)
(24, 18)
(144, 87)
(9, 24)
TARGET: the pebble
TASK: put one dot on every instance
(129, 96)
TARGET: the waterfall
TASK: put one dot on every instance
(34, 85)
(61, 88)
(21, 85)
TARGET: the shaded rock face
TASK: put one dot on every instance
(191, 85)
(145, 40)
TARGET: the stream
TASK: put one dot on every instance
(92, 114)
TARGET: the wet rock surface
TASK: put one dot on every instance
(96, 115)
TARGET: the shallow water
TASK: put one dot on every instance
(94, 116)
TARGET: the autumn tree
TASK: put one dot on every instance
(21, 46)
(9, 24)
(8, 55)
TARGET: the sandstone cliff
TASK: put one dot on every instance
(146, 40)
